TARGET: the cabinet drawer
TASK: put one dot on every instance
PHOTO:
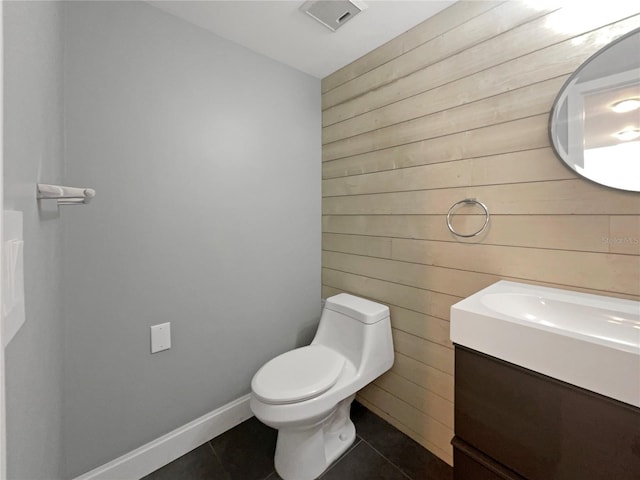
(471, 464)
(542, 428)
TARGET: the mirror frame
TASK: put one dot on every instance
(562, 95)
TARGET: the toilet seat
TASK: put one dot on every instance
(298, 375)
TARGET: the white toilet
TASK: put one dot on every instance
(306, 393)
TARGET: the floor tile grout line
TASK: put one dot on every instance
(342, 457)
(215, 455)
(394, 465)
(269, 475)
(212, 449)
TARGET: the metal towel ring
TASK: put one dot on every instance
(468, 201)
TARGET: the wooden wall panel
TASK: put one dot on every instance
(511, 44)
(516, 167)
(386, 132)
(522, 134)
(535, 198)
(458, 107)
(418, 397)
(427, 277)
(593, 233)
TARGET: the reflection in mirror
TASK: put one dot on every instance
(595, 121)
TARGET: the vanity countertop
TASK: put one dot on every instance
(586, 340)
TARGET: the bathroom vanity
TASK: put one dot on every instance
(547, 385)
(509, 419)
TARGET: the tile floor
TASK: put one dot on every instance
(380, 452)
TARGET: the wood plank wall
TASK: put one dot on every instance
(454, 108)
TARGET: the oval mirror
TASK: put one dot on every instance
(595, 120)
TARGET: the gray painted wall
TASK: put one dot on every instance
(33, 153)
(206, 162)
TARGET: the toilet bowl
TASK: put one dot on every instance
(306, 393)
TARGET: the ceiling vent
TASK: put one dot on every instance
(333, 13)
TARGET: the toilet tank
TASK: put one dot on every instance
(360, 330)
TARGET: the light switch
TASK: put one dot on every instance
(160, 337)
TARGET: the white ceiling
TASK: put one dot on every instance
(279, 30)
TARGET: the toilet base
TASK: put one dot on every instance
(304, 453)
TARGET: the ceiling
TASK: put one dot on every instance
(279, 30)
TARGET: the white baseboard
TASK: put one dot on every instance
(161, 451)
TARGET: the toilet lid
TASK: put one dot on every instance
(298, 375)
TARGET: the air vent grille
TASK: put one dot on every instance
(332, 13)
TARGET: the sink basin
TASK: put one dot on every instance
(586, 340)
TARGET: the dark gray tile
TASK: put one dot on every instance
(363, 463)
(246, 451)
(409, 456)
(199, 464)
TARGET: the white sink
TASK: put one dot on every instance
(586, 340)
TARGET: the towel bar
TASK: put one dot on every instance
(65, 195)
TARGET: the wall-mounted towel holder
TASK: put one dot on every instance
(468, 201)
(65, 195)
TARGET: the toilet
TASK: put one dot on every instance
(306, 393)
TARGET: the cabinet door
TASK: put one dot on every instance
(541, 428)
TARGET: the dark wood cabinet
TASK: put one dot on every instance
(514, 424)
